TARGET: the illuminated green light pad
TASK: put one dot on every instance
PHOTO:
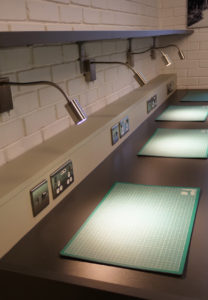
(184, 143)
(184, 113)
(196, 96)
(140, 227)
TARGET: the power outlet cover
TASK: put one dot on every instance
(115, 133)
(39, 197)
(62, 178)
(124, 126)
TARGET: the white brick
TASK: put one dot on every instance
(64, 71)
(105, 90)
(107, 17)
(203, 81)
(111, 75)
(83, 27)
(2, 158)
(117, 5)
(34, 75)
(99, 4)
(187, 81)
(180, 11)
(166, 12)
(26, 26)
(122, 45)
(77, 85)
(88, 97)
(50, 95)
(61, 111)
(71, 14)
(203, 45)
(108, 47)
(61, 1)
(15, 59)
(81, 2)
(193, 45)
(11, 132)
(25, 103)
(12, 10)
(93, 49)
(44, 11)
(55, 128)
(58, 27)
(70, 52)
(92, 16)
(203, 63)
(47, 55)
(39, 119)
(200, 72)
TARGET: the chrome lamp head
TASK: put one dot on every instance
(166, 59)
(139, 79)
(181, 54)
(76, 111)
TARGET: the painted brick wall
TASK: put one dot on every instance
(39, 112)
(192, 72)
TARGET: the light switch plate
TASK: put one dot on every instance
(151, 103)
(170, 87)
(39, 197)
(62, 178)
(115, 134)
(124, 126)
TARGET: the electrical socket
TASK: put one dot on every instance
(39, 197)
(170, 87)
(124, 126)
(62, 178)
(115, 134)
(6, 102)
(151, 103)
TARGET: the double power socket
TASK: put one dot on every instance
(119, 130)
(60, 180)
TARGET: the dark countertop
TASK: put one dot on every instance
(33, 269)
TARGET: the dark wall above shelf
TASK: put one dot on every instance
(29, 38)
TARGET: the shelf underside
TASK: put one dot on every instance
(29, 38)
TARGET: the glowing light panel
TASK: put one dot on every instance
(184, 143)
(184, 113)
(138, 226)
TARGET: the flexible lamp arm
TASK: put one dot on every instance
(180, 52)
(138, 77)
(73, 107)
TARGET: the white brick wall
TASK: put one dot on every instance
(39, 111)
(193, 72)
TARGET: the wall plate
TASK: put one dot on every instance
(62, 178)
(151, 103)
(124, 126)
(170, 87)
(39, 197)
(115, 133)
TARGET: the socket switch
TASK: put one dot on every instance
(115, 134)
(124, 126)
(62, 178)
(170, 87)
(151, 103)
(39, 197)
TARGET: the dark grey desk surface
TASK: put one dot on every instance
(33, 269)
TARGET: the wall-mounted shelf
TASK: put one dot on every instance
(29, 38)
